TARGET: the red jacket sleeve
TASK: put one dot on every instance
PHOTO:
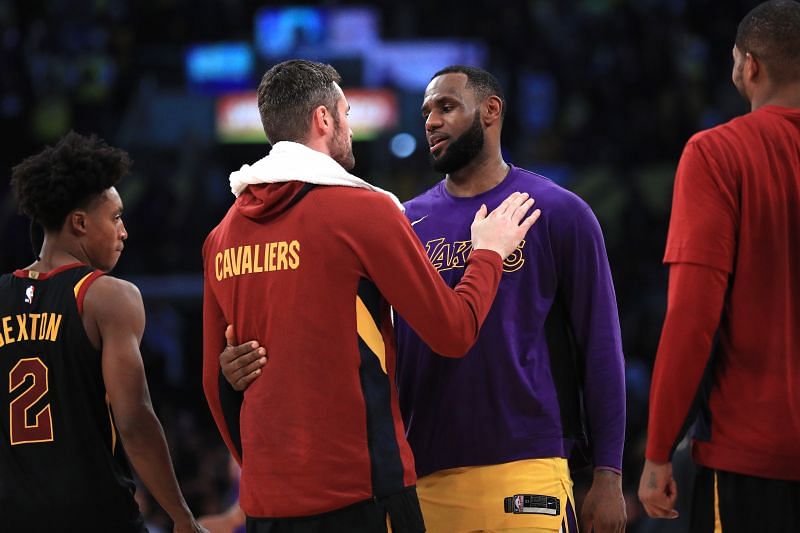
(704, 222)
(447, 319)
(683, 352)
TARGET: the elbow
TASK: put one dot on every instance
(133, 428)
(452, 336)
(455, 346)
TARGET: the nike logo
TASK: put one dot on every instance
(419, 220)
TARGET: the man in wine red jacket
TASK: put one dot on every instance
(307, 261)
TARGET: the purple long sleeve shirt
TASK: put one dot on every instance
(547, 367)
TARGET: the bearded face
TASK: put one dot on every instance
(340, 145)
(458, 153)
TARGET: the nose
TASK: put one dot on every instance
(432, 122)
(123, 232)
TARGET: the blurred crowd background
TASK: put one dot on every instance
(602, 95)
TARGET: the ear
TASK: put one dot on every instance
(492, 110)
(321, 120)
(752, 67)
(76, 222)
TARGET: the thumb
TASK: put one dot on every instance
(586, 516)
(480, 214)
(229, 337)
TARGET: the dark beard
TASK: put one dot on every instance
(340, 149)
(461, 151)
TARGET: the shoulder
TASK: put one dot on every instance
(109, 296)
(734, 131)
(218, 231)
(353, 203)
(553, 199)
(423, 201)
(343, 194)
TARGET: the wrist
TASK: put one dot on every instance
(607, 474)
(182, 517)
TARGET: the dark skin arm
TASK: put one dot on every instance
(114, 320)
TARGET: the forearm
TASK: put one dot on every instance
(448, 320)
(683, 352)
(147, 450)
(604, 396)
(599, 340)
(451, 333)
(587, 290)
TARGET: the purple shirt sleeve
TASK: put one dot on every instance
(589, 294)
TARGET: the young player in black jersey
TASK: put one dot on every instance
(76, 406)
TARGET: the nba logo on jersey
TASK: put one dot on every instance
(29, 294)
(519, 503)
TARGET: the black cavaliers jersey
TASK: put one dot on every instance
(62, 466)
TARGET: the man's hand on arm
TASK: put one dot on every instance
(603, 510)
(658, 490)
(241, 364)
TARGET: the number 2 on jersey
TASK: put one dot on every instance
(27, 427)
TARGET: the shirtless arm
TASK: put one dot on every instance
(114, 319)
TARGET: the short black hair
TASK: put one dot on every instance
(288, 94)
(67, 176)
(771, 33)
(481, 81)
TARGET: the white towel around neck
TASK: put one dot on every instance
(291, 161)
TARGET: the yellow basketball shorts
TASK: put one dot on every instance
(530, 496)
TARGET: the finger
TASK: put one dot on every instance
(480, 214)
(530, 221)
(506, 204)
(244, 382)
(229, 337)
(250, 368)
(515, 202)
(585, 520)
(659, 508)
(520, 211)
(653, 512)
(239, 356)
(673, 491)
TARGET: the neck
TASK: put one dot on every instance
(320, 144)
(56, 254)
(784, 95)
(481, 174)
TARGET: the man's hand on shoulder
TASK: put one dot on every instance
(504, 228)
(603, 510)
(241, 364)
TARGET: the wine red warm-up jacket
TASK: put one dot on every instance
(311, 275)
